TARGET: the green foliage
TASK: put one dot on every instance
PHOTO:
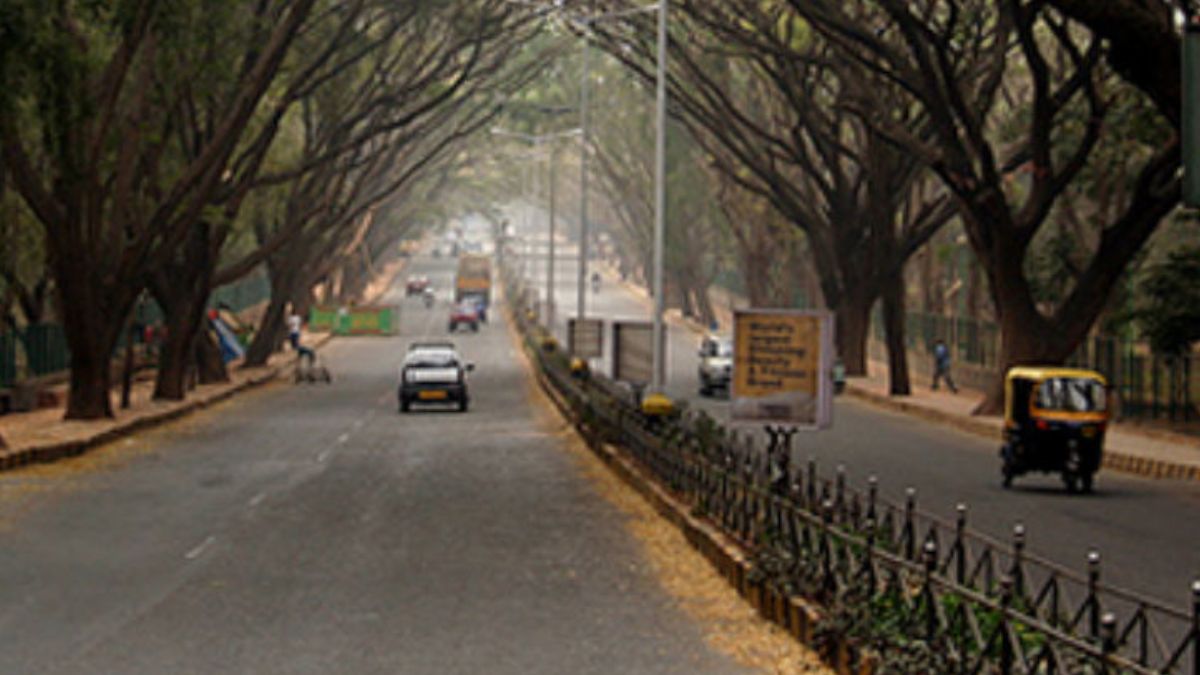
(1170, 313)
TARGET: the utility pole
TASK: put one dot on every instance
(660, 198)
(550, 259)
(584, 230)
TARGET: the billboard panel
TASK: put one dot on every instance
(633, 352)
(585, 338)
(782, 367)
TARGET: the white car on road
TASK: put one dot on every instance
(716, 364)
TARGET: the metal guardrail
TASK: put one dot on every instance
(978, 604)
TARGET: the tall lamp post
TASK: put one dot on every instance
(537, 141)
(585, 139)
(660, 185)
(660, 197)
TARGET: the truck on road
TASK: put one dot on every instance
(474, 280)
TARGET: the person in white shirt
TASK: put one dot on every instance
(294, 323)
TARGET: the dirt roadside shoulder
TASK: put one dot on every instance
(43, 436)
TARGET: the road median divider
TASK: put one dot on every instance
(870, 584)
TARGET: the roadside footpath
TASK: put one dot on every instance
(1128, 449)
(43, 435)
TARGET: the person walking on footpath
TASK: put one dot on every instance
(941, 366)
(294, 323)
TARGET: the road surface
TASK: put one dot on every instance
(313, 529)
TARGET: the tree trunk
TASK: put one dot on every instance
(1026, 336)
(182, 318)
(88, 398)
(210, 367)
(974, 290)
(270, 333)
(704, 307)
(91, 333)
(897, 347)
(182, 286)
(273, 329)
(354, 280)
(756, 276)
(853, 319)
(931, 282)
(127, 370)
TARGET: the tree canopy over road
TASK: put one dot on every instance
(136, 132)
(162, 150)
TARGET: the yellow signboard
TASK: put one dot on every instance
(782, 367)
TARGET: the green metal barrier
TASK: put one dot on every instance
(359, 320)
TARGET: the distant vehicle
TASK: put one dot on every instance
(416, 285)
(427, 297)
(716, 364)
(434, 373)
(464, 314)
(474, 280)
(480, 307)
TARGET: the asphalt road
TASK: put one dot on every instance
(313, 529)
(1147, 531)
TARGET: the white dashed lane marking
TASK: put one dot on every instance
(199, 550)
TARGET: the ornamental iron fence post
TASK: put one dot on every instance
(1017, 573)
(960, 544)
(1108, 639)
(872, 498)
(1196, 627)
(1006, 653)
(1093, 599)
(931, 555)
(909, 533)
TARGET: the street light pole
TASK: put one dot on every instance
(584, 234)
(660, 198)
(550, 260)
(537, 142)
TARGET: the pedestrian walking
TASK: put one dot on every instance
(941, 366)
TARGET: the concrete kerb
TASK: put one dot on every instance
(972, 425)
(1115, 460)
(52, 452)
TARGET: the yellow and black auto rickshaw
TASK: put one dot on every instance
(1054, 422)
